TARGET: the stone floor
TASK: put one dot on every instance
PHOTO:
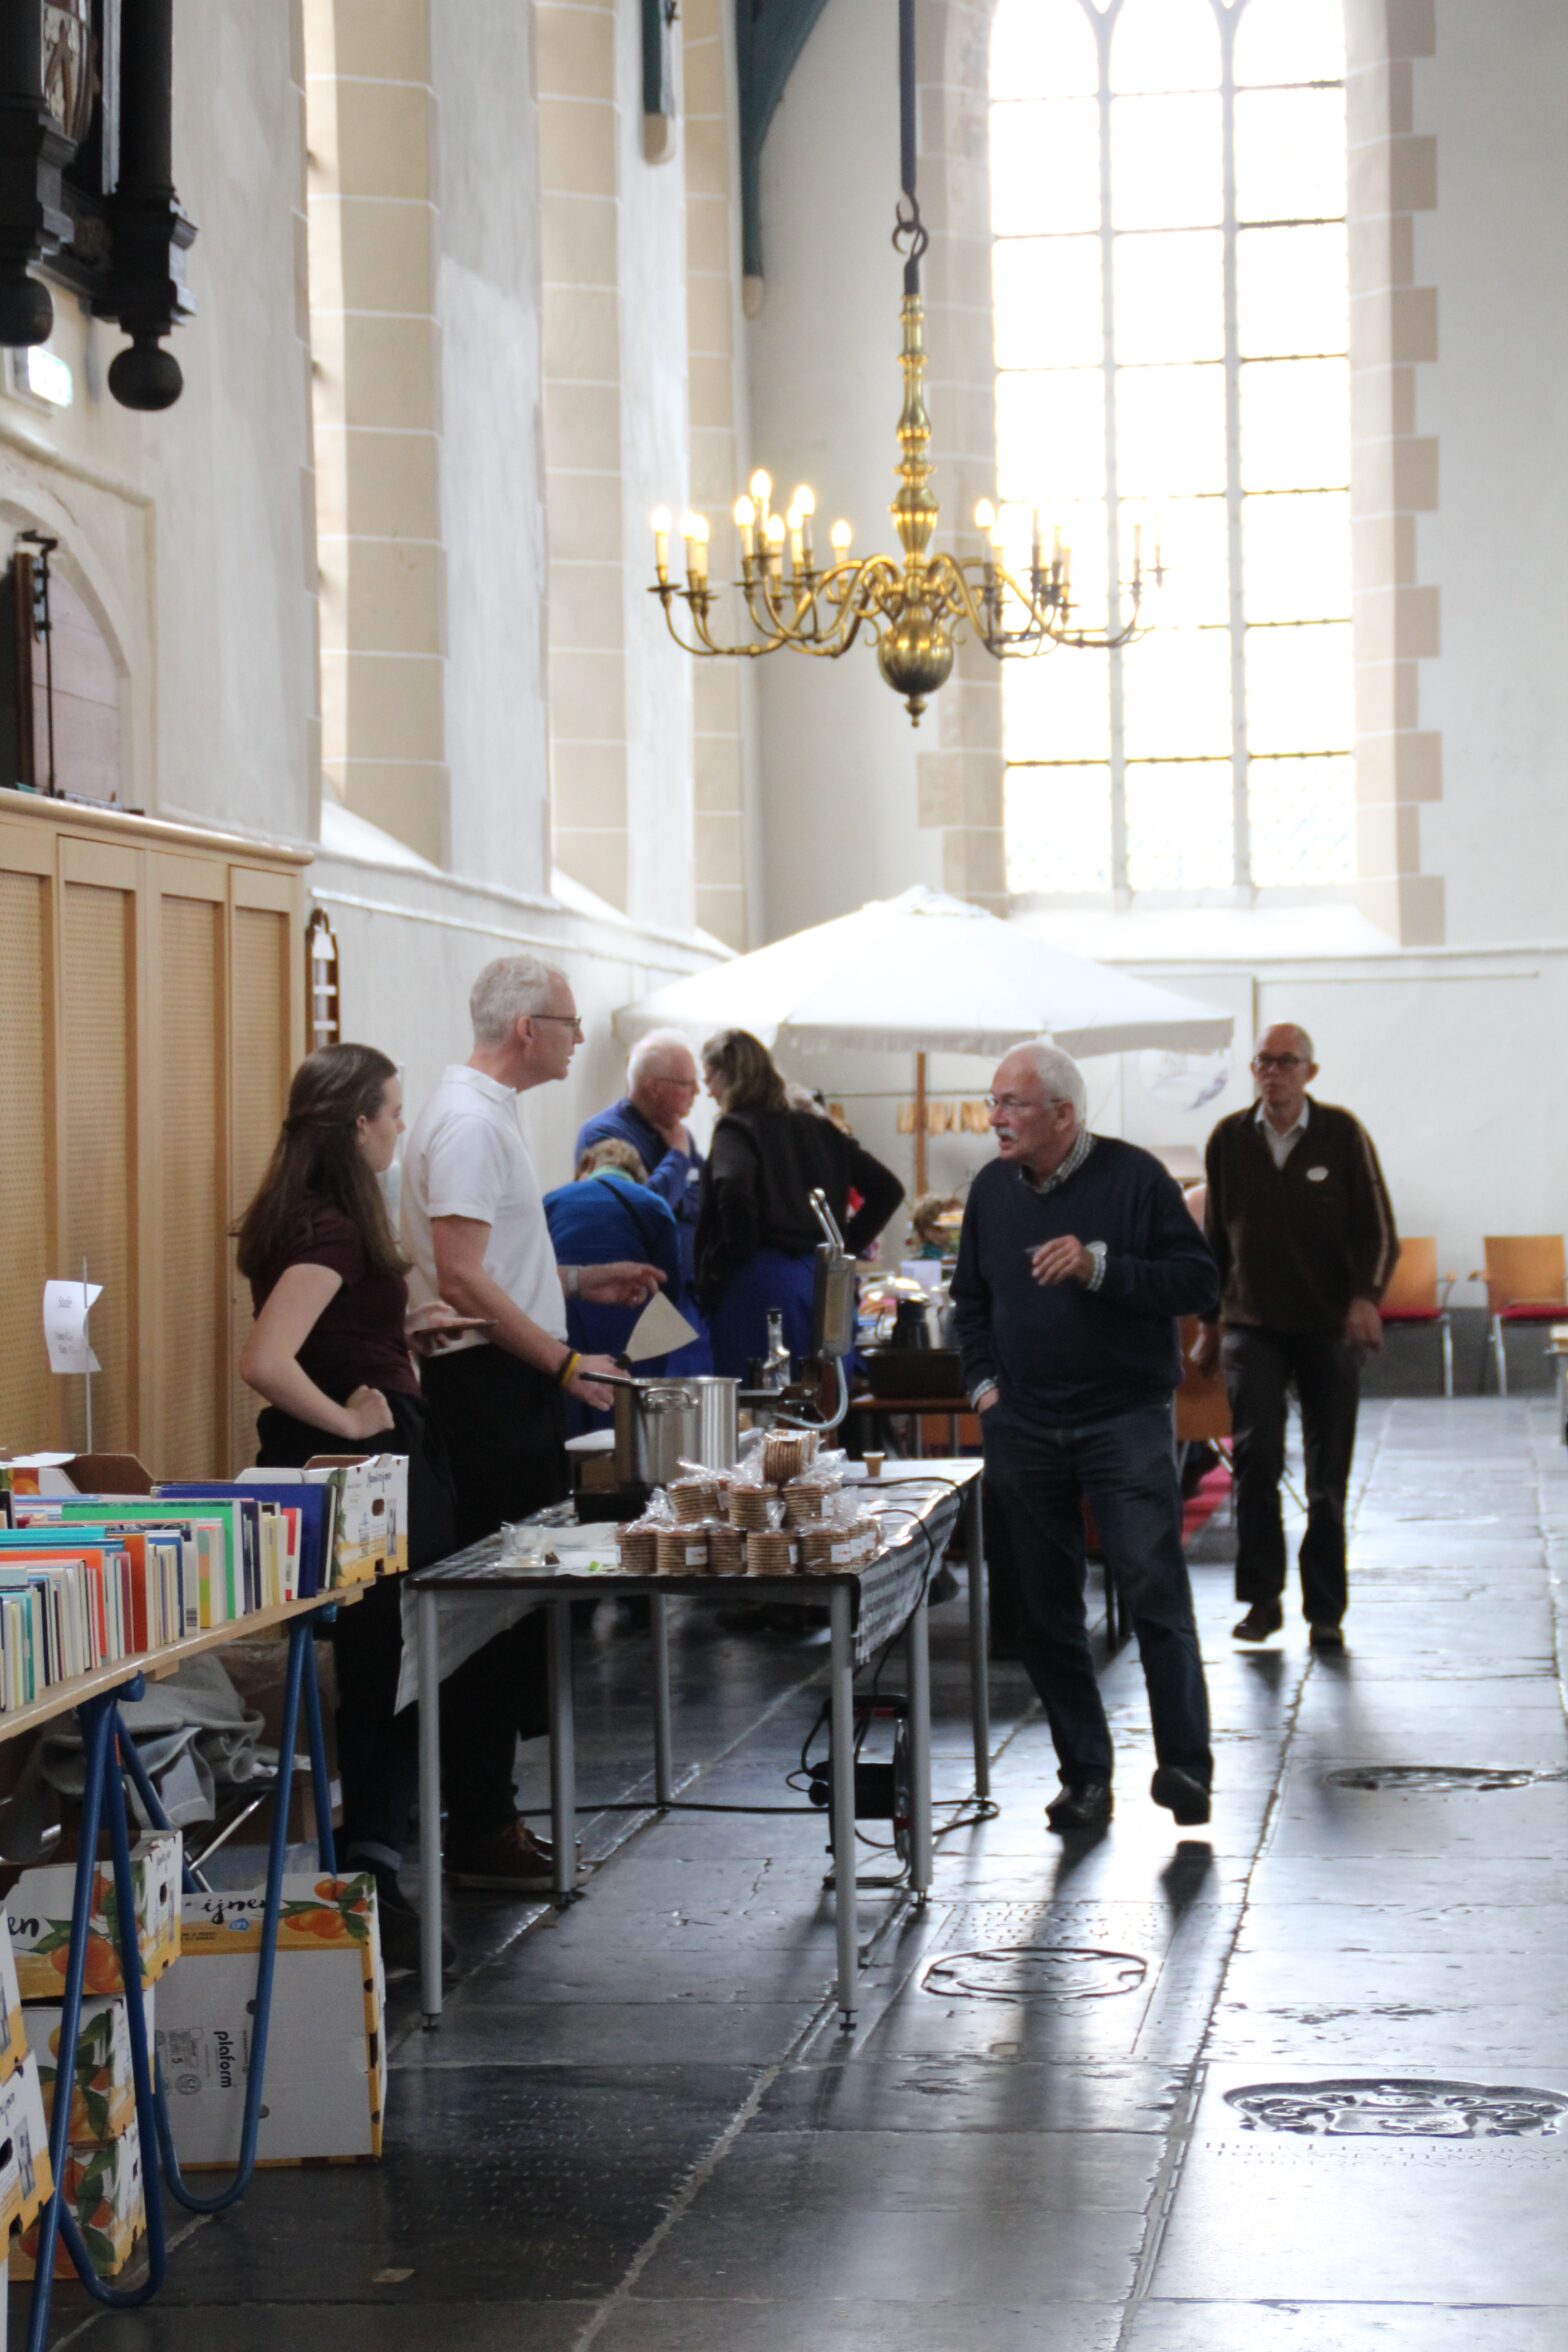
(1300, 2083)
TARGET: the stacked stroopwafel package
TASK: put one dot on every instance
(784, 1511)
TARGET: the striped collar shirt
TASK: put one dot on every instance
(1083, 1145)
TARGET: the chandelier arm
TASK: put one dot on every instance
(704, 644)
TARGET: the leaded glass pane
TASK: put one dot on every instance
(1057, 706)
(1300, 688)
(1165, 163)
(1295, 424)
(1045, 168)
(1170, 431)
(1050, 434)
(1191, 535)
(1058, 828)
(1290, 154)
(1165, 45)
(1292, 292)
(1048, 303)
(1176, 694)
(1296, 556)
(1170, 296)
(1180, 833)
(1301, 816)
(1289, 41)
(1173, 468)
(1043, 49)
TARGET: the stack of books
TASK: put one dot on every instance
(88, 1579)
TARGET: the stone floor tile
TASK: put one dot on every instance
(641, 2326)
(1275, 2326)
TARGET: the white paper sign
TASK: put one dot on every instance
(66, 1308)
(658, 1330)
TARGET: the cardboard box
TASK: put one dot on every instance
(109, 2199)
(13, 2026)
(326, 2054)
(371, 1533)
(103, 2093)
(38, 1913)
(25, 2177)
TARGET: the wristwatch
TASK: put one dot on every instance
(1096, 1250)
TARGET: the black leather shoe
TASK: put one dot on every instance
(1262, 1619)
(1326, 1637)
(1080, 1804)
(1181, 1793)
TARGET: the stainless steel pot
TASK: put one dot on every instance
(661, 1423)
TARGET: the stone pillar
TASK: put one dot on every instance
(718, 469)
(1393, 336)
(579, 195)
(371, 124)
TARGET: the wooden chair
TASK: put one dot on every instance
(1526, 1282)
(1202, 1407)
(1413, 1297)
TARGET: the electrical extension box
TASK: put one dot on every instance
(882, 1788)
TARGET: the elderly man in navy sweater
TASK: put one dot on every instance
(1077, 1256)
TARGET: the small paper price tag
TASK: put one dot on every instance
(66, 1308)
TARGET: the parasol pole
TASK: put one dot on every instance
(921, 1171)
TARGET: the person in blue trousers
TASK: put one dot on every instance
(756, 1233)
(1076, 1258)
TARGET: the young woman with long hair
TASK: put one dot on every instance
(329, 1352)
(756, 1233)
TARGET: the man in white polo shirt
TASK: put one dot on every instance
(474, 1226)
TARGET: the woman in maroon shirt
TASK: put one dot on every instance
(329, 1352)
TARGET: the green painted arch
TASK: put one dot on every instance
(769, 37)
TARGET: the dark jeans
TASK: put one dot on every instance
(378, 1746)
(504, 1426)
(1039, 1474)
(1259, 1369)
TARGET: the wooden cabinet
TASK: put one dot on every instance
(151, 1012)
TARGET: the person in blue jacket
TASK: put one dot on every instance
(593, 1221)
(661, 1086)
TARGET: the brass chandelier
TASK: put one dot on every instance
(913, 609)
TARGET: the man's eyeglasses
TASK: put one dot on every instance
(1278, 1061)
(573, 1021)
(1020, 1102)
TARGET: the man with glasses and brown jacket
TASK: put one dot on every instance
(1301, 1228)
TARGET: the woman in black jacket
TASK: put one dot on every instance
(756, 1234)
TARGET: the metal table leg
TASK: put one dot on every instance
(429, 1807)
(96, 1718)
(918, 1647)
(663, 1772)
(979, 1635)
(842, 1725)
(301, 1667)
(563, 1760)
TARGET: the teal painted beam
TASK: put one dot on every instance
(769, 37)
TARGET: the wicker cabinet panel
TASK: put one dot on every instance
(27, 1162)
(192, 1195)
(100, 1174)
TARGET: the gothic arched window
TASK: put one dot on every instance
(1171, 317)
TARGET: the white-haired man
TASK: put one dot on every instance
(661, 1086)
(474, 1226)
(1076, 1257)
(1300, 1222)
